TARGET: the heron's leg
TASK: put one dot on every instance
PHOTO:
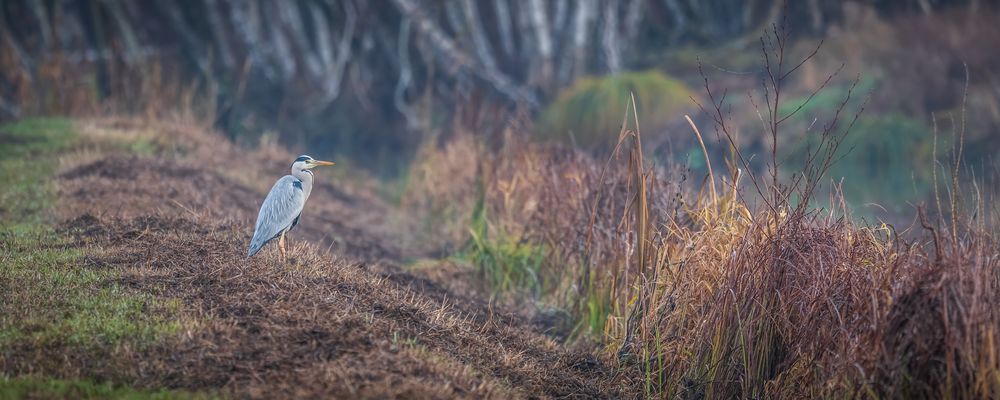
(281, 245)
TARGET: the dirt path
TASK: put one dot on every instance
(342, 319)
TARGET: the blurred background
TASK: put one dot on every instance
(370, 82)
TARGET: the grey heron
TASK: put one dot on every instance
(283, 205)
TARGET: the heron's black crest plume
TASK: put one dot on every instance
(302, 158)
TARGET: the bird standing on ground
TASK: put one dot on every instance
(283, 205)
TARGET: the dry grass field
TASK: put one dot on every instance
(134, 273)
(532, 199)
(124, 275)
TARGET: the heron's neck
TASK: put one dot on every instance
(307, 180)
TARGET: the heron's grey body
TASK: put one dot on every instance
(283, 205)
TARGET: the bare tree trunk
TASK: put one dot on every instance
(188, 39)
(283, 56)
(334, 66)
(504, 26)
(543, 33)
(38, 9)
(299, 45)
(132, 48)
(245, 18)
(218, 35)
(405, 76)
(633, 20)
(560, 19)
(526, 31)
(563, 51)
(23, 56)
(456, 62)
(675, 10)
(94, 31)
(479, 40)
(453, 14)
(576, 62)
(609, 37)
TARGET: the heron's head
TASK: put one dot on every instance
(305, 163)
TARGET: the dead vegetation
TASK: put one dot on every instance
(750, 291)
(745, 291)
(692, 295)
(325, 326)
(343, 320)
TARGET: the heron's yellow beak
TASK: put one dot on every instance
(318, 163)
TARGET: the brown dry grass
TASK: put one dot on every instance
(710, 297)
(193, 172)
(693, 296)
(553, 198)
(813, 306)
(343, 319)
(323, 326)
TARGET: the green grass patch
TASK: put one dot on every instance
(593, 308)
(48, 296)
(54, 299)
(506, 264)
(145, 147)
(41, 388)
(28, 159)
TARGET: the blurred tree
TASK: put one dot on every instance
(285, 64)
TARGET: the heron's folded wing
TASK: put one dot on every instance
(283, 203)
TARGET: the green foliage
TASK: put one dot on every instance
(40, 388)
(593, 309)
(144, 147)
(506, 264)
(589, 112)
(820, 108)
(891, 161)
(886, 160)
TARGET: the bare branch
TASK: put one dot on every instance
(405, 76)
(479, 40)
(504, 26)
(456, 62)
